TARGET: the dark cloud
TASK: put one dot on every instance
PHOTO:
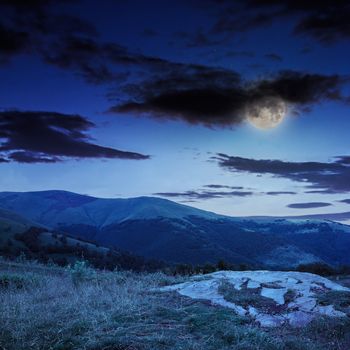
(308, 205)
(214, 193)
(214, 186)
(31, 157)
(324, 191)
(110, 63)
(301, 88)
(196, 94)
(274, 57)
(161, 88)
(325, 21)
(198, 195)
(347, 201)
(103, 62)
(328, 216)
(217, 97)
(327, 25)
(217, 191)
(331, 177)
(45, 32)
(107, 60)
(12, 42)
(192, 93)
(277, 193)
(73, 44)
(276, 167)
(69, 42)
(29, 5)
(49, 137)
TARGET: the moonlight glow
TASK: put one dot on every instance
(266, 113)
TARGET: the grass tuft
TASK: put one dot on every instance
(339, 299)
(249, 297)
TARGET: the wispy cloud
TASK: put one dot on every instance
(320, 177)
(200, 195)
(326, 21)
(219, 191)
(308, 205)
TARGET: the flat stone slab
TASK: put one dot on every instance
(302, 287)
(273, 293)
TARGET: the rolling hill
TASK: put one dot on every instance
(19, 235)
(162, 229)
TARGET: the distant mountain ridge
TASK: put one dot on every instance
(162, 229)
(44, 206)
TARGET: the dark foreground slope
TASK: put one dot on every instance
(161, 229)
(82, 309)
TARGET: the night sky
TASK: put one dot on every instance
(163, 98)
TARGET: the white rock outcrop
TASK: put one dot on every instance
(296, 310)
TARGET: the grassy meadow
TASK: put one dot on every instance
(50, 307)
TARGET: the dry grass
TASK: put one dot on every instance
(249, 297)
(62, 309)
(61, 312)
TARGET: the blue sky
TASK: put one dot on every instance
(182, 154)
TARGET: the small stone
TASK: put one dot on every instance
(253, 284)
(252, 311)
(299, 318)
(275, 294)
(266, 320)
(303, 303)
(329, 310)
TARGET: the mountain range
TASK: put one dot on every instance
(160, 229)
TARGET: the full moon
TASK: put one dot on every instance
(266, 113)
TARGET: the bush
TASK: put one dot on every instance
(339, 299)
(317, 268)
(8, 281)
(333, 329)
(81, 272)
(31, 238)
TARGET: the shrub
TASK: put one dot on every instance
(21, 258)
(317, 268)
(222, 265)
(290, 296)
(8, 281)
(30, 238)
(333, 329)
(340, 300)
(81, 272)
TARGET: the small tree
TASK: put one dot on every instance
(222, 265)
